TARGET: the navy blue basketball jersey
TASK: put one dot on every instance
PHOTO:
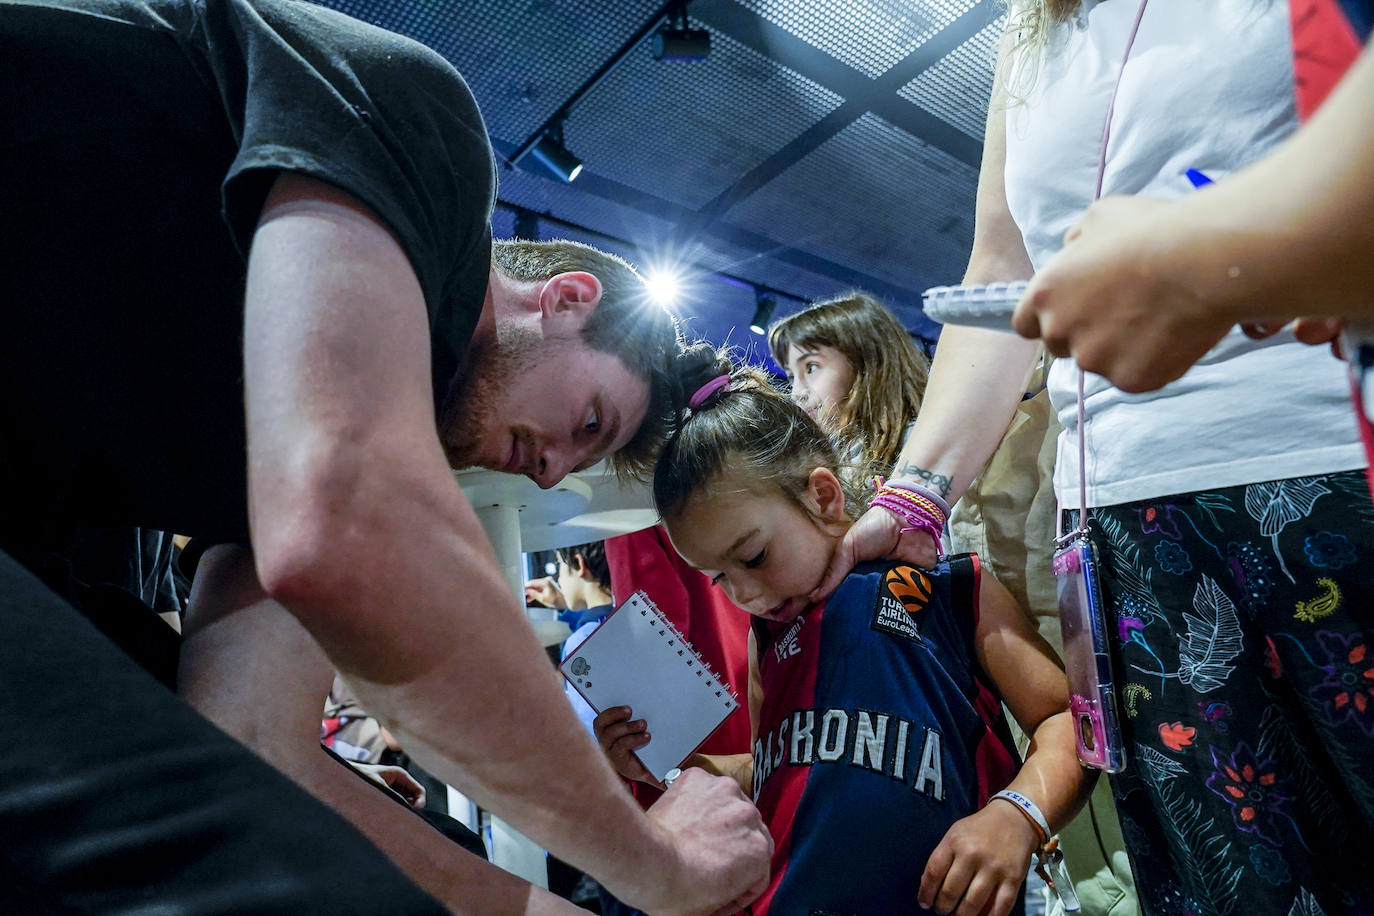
(877, 732)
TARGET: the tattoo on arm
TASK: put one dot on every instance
(940, 483)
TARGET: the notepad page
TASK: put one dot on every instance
(636, 658)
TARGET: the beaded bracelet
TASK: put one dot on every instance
(919, 501)
(920, 489)
(917, 507)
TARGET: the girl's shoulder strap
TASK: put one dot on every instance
(964, 570)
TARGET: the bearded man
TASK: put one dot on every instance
(253, 298)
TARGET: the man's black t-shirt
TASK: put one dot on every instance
(138, 139)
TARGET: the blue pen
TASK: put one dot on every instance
(1197, 178)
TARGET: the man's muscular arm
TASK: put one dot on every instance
(248, 666)
(361, 533)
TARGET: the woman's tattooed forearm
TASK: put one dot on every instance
(940, 483)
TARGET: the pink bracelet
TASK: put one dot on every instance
(917, 500)
(922, 490)
(914, 517)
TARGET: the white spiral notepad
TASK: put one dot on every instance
(637, 658)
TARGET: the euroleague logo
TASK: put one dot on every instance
(905, 594)
(910, 586)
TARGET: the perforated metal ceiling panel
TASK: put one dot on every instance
(687, 131)
(907, 213)
(957, 88)
(823, 145)
(868, 35)
(521, 58)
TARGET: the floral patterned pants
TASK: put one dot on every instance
(1244, 664)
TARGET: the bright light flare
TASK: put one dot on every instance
(664, 287)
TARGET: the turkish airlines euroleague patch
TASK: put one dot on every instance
(904, 595)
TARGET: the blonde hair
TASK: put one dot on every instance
(890, 373)
(749, 428)
(1030, 23)
(626, 323)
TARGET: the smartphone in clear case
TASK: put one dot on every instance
(1087, 661)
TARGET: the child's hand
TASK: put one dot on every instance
(980, 864)
(619, 737)
(545, 591)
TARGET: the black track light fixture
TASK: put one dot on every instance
(550, 152)
(671, 40)
(677, 41)
(764, 304)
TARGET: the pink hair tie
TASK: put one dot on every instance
(720, 382)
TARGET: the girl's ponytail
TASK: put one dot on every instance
(698, 366)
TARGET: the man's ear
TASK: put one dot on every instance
(583, 570)
(825, 494)
(574, 294)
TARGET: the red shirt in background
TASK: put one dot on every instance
(716, 628)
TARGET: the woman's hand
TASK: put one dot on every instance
(980, 864)
(1312, 331)
(877, 535)
(1114, 298)
(619, 737)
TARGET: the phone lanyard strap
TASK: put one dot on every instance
(1082, 529)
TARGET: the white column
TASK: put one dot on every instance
(501, 522)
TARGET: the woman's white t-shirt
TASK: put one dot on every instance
(1208, 86)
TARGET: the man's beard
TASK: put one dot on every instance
(472, 409)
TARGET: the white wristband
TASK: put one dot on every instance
(1030, 809)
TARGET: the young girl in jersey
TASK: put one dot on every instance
(854, 370)
(878, 737)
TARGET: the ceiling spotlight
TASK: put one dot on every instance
(681, 44)
(675, 41)
(664, 287)
(763, 312)
(550, 152)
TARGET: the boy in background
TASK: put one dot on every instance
(582, 589)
